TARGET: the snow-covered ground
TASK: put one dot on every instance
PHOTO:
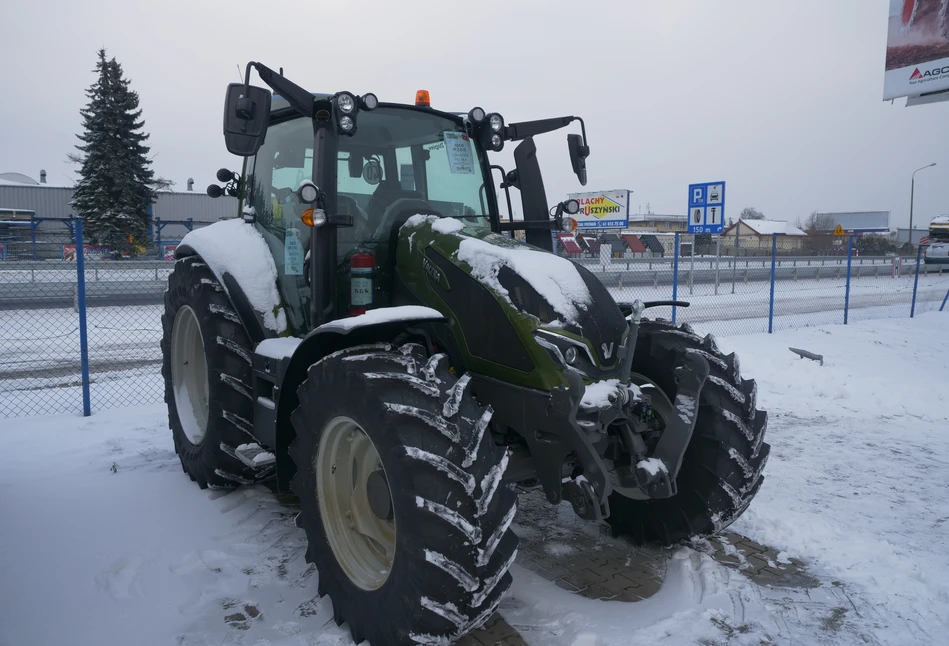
(104, 541)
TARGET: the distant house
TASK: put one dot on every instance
(758, 234)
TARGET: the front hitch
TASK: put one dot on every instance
(690, 374)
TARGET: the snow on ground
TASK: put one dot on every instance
(104, 540)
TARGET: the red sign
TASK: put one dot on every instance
(168, 251)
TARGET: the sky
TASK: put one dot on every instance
(782, 100)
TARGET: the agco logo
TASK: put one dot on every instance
(918, 76)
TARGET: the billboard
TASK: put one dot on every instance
(917, 48)
(90, 252)
(602, 209)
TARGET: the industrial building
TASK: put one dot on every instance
(36, 217)
(859, 222)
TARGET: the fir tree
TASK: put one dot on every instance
(116, 184)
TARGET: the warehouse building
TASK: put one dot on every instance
(35, 217)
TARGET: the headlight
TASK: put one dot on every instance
(370, 101)
(566, 351)
(346, 102)
(307, 193)
(476, 115)
(496, 141)
(346, 124)
(496, 122)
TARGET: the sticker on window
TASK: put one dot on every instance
(292, 253)
(460, 157)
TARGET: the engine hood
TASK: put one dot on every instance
(536, 289)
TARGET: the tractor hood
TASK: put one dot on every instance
(530, 290)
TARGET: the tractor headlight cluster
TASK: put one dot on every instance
(347, 105)
(492, 129)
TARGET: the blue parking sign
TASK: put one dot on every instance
(707, 207)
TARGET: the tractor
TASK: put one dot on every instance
(367, 333)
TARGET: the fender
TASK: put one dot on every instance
(245, 312)
(326, 339)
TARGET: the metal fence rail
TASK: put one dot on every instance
(70, 328)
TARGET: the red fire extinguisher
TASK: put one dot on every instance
(362, 271)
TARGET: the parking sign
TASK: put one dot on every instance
(707, 207)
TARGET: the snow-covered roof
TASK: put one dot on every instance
(768, 227)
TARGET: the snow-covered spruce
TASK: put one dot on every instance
(722, 467)
(212, 461)
(452, 515)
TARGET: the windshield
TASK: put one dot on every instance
(401, 162)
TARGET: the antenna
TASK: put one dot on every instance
(239, 76)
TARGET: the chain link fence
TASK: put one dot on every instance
(734, 285)
(42, 307)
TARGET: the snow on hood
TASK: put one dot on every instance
(383, 315)
(237, 248)
(556, 279)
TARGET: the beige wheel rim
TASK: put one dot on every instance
(348, 472)
(189, 375)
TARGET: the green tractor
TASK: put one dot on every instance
(368, 334)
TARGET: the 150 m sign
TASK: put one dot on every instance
(602, 209)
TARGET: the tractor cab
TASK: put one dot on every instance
(328, 180)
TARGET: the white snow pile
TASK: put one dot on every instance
(237, 248)
(597, 394)
(653, 466)
(278, 348)
(447, 225)
(556, 279)
(857, 486)
(384, 315)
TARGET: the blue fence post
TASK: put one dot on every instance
(943, 306)
(919, 257)
(81, 298)
(158, 234)
(774, 260)
(847, 291)
(675, 275)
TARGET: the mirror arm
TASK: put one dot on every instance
(507, 190)
(525, 129)
(299, 98)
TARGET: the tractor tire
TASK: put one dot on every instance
(722, 467)
(206, 363)
(411, 538)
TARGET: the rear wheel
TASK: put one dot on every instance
(206, 359)
(722, 467)
(400, 495)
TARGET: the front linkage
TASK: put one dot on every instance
(575, 457)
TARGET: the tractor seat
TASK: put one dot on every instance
(385, 194)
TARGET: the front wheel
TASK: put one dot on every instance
(400, 491)
(206, 363)
(722, 467)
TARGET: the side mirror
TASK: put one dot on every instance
(578, 157)
(246, 117)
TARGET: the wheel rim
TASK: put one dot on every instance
(189, 375)
(362, 541)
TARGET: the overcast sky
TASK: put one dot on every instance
(781, 99)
